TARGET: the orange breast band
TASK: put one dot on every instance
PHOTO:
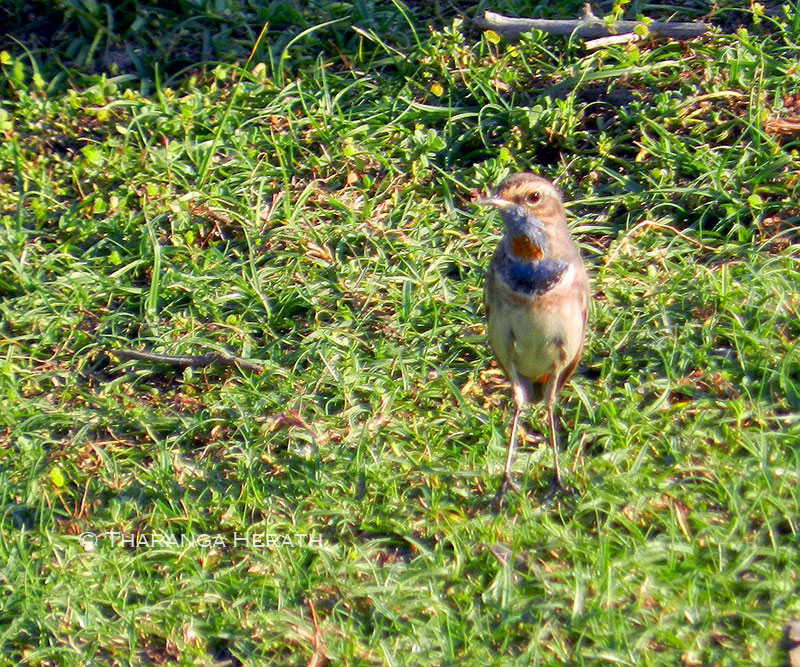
(523, 248)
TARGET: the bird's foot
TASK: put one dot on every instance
(557, 487)
(506, 484)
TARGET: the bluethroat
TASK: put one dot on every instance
(536, 297)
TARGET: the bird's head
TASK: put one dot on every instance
(531, 209)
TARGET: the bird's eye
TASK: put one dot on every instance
(533, 198)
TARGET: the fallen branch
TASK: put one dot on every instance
(624, 38)
(189, 360)
(589, 26)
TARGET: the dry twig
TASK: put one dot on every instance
(318, 656)
(588, 26)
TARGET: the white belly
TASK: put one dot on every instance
(540, 337)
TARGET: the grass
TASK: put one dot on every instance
(313, 211)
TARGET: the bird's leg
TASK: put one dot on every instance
(508, 482)
(512, 443)
(554, 444)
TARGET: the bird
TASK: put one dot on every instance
(536, 300)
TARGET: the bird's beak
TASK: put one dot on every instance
(497, 202)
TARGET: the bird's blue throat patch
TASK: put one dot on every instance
(534, 278)
(528, 240)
